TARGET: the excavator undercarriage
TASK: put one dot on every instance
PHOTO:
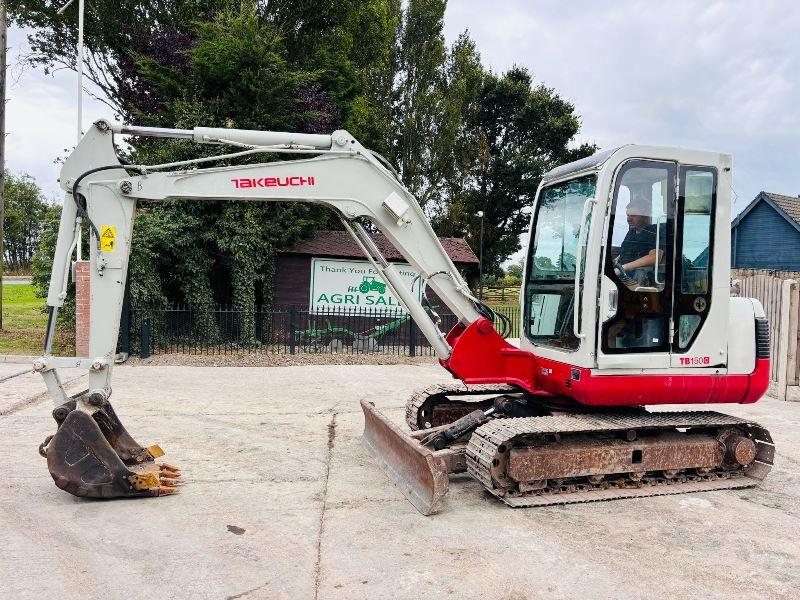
(559, 456)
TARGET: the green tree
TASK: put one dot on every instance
(138, 54)
(42, 262)
(520, 131)
(515, 269)
(435, 88)
(117, 34)
(281, 66)
(514, 273)
(200, 243)
(453, 139)
(464, 140)
(25, 214)
(422, 56)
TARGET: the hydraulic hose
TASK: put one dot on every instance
(76, 198)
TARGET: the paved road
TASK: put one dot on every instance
(283, 502)
(17, 281)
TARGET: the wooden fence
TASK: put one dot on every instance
(501, 294)
(781, 304)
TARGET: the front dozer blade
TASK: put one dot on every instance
(419, 472)
(92, 455)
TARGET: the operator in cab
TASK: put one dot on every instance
(638, 253)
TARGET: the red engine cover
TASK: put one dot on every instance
(480, 355)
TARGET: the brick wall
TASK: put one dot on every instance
(82, 308)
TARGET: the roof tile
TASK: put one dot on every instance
(789, 204)
(341, 244)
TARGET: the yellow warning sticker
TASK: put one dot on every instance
(108, 238)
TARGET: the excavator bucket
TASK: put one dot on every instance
(92, 455)
(420, 473)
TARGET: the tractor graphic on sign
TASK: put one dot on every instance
(370, 285)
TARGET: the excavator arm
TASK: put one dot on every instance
(344, 176)
(339, 173)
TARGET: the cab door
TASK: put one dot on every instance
(637, 275)
(698, 329)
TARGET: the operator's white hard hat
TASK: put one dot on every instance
(639, 206)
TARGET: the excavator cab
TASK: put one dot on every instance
(628, 267)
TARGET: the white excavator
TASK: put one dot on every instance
(626, 304)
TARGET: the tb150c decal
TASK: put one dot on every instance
(265, 182)
(695, 360)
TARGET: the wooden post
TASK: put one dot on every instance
(791, 375)
(783, 343)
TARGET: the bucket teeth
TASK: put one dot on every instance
(169, 468)
(155, 451)
(165, 490)
(171, 481)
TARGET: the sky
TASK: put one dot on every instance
(721, 76)
(41, 117)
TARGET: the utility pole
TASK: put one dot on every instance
(480, 258)
(79, 66)
(3, 45)
(80, 72)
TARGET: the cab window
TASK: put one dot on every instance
(552, 258)
(696, 205)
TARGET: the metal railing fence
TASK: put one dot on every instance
(281, 330)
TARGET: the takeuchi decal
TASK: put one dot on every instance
(265, 182)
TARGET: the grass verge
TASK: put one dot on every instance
(24, 323)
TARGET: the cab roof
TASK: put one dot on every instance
(597, 160)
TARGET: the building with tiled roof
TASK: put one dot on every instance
(341, 244)
(766, 234)
(293, 276)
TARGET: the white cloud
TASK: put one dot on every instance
(720, 76)
(41, 118)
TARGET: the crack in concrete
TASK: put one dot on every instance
(321, 528)
(32, 400)
(7, 377)
(243, 594)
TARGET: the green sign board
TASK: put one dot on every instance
(354, 284)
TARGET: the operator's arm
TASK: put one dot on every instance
(647, 260)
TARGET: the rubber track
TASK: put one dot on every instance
(459, 388)
(483, 446)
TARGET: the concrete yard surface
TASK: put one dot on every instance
(282, 501)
